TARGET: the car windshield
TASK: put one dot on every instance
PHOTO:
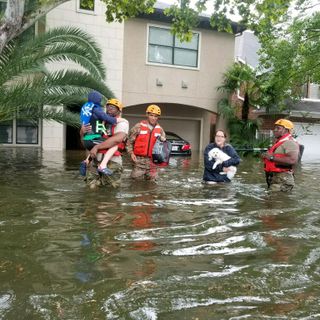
(171, 135)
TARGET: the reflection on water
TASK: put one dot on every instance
(171, 250)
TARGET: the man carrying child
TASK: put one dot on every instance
(102, 171)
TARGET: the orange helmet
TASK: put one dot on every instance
(153, 108)
(116, 103)
(284, 123)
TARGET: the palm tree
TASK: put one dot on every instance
(28, 82)
(240, 78)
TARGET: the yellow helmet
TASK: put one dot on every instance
(284, 123)
(153, 108)
(116, 103)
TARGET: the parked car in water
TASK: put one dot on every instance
(180, 146)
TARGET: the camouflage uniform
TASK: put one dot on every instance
(280, 181)
(143, 168)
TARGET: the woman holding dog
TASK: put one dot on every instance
(219, 173)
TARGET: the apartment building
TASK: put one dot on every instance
(146, 64)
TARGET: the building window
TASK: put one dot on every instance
(6, 132)
(27, 132)
(86, 5)
(166, 48)
(19, 132)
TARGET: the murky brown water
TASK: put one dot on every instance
(175, 250)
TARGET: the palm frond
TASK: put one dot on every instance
(61, 116)
(27, 83)
(75, 78)
(72, 35)
(62, 87)
(34, 114)
(226, 109)
(30, 56)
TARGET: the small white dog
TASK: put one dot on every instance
(219, 157)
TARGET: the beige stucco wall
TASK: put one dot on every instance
(139, 78)
(109, 36)
(198, 100)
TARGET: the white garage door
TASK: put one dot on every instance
(309, 136)
(188, 129)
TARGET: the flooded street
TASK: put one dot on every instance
(171, 250)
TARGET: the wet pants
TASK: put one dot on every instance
(280, 181)
(95, 179)
(144, 168)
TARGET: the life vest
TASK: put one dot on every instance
(271, 166)
(121, 145)
(146, 139)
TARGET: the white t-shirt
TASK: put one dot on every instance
(120, 127)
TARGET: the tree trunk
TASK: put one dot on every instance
(11, 22)
(15, 21)
(245, 108)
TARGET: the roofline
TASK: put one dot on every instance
(204, 21)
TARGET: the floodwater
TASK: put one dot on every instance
(171, 250)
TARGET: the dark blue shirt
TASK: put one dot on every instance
(99, 114)
(214, 174)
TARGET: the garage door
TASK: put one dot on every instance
(188, 129)
(309, 136)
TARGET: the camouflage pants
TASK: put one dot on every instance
(94, 179)
(280, 181)
(144, 168)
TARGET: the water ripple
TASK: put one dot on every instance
(198, 230)
(212, 248)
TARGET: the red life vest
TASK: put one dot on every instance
(121, 145)
(271, 166)
(146, 139)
